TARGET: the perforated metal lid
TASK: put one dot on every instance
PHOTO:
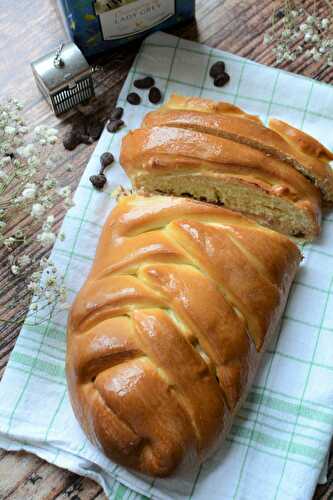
(73, 66)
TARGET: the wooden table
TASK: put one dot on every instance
(30, 29)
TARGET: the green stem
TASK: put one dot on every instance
(329, 4)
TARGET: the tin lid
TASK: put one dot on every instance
(55, 75)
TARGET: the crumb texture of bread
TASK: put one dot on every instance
(286, 144)
(156, 368)
(184, 152)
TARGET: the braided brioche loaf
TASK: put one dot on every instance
(218, 153)
(166, 335)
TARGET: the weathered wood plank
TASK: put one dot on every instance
(15, 468)
(82, 488)
(46, 483)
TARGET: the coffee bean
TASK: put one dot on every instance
(95, 129)
(134, 98)
(79, 124)
(221, 80)
(98, 181)
(155, 95)
(71, 140)
(86, 139)
(144, 83)
(106, 159)
(117, 113)
(217, 69)
(114, 125)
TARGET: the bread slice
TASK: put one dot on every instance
(180, 162)
(281, 140)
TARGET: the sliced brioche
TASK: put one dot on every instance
(177, 161)
(281, 140)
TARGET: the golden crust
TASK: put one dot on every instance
(281, 140)
(192, 103)
(166, 335)
(163, 151)
(304, 142)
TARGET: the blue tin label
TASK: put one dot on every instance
(99, 25)
(125, 19)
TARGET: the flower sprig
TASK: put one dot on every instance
(29, 191)
(303, 31)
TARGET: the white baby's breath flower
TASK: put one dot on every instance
(52, 131)
(311, 20)
(19, 234)
(38, 129)
(3, 176)
(46, 238)
(15, 269)
(10, 130)
(24, 260)
(49, 183)
(316, 55)
(51, 282)
(26, 151)
(45, 263)
(9, 242)
(50, 220)
(36, 276)
(286, 33)
(21, 158)
(325, 23)
(63, 294)
(50, 163)
(51, 139)
(45, 135)
(6, 160)
(23, 129)
(37, 210)
(32, 286)
(64, 192)
(29, 191)
(49, 296)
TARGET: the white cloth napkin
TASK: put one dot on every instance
(281, 437)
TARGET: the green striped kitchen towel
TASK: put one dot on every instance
(281, 436)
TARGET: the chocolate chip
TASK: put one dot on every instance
(155, 95)
(95, 129)
(71, 140)
(117, 113)
(98, 181)
(217, 69)
(221, 80)
(144, 83)
(106, 159)
(114, 125)
(134, 98)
